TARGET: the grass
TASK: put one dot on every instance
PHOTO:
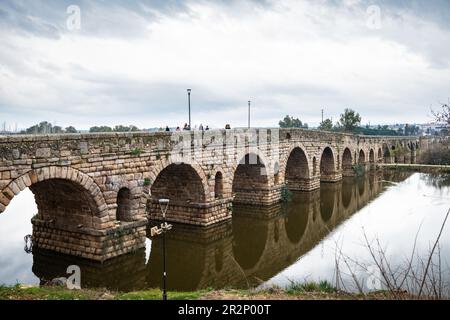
(21, 292)
(295, 291)
(155, 294)
(302, 287)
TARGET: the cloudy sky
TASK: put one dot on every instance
(130, 62)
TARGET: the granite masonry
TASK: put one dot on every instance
(96, 192)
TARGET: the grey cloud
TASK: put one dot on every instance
(117, 97)
(114, 18)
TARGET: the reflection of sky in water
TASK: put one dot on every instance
(15, 263)
(394, 218)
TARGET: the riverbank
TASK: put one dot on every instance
(425, 168)
(23, 292)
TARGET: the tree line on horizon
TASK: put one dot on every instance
(350, 121)
(46, 127)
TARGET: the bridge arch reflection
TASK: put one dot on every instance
(256, 245)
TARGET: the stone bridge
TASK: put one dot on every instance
(255, 246)
(95, 192)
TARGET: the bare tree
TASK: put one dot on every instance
(443, 115)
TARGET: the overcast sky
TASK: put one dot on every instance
(130, 62)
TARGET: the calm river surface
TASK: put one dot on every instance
(296, 241)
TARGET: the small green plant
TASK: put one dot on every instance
(136, 151)
(359, 170)
(147, 181)
(286, 194)
(301, 287)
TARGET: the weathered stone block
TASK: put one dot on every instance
(43, 152)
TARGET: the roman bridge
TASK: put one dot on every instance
(95, 192)
(255, 246)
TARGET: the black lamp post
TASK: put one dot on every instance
(163, 204)
(189, 106)
(249, 114)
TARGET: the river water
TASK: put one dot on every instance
(321, 235)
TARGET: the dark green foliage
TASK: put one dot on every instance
(290, 122)
(322, 286)
(117, 128)
(286, 194)
(46, 127)
(350, 120)
(326, 125)
(136, 151)
(359, 170)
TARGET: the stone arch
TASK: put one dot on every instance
(250, 179)
(327, 165)
(372, 158)
(253, 157)
(123, 204)
(181, 184)
(394, 153)
(218, 185)
(157, 169)
(361, 157)
(138, 198)
(62, 194)
(386, 154)
(380, 155)
(297, 171)
(347, 163)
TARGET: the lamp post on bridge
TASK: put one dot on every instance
(189, 107)
(249, 113)
(163, 204)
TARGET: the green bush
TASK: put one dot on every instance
(136, 151)
(359, 170)
(286, 194)
(298, 287)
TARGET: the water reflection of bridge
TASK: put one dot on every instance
(256, 245)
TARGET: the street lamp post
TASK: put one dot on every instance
(249, 113)
(163, 204)
(189, 106)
